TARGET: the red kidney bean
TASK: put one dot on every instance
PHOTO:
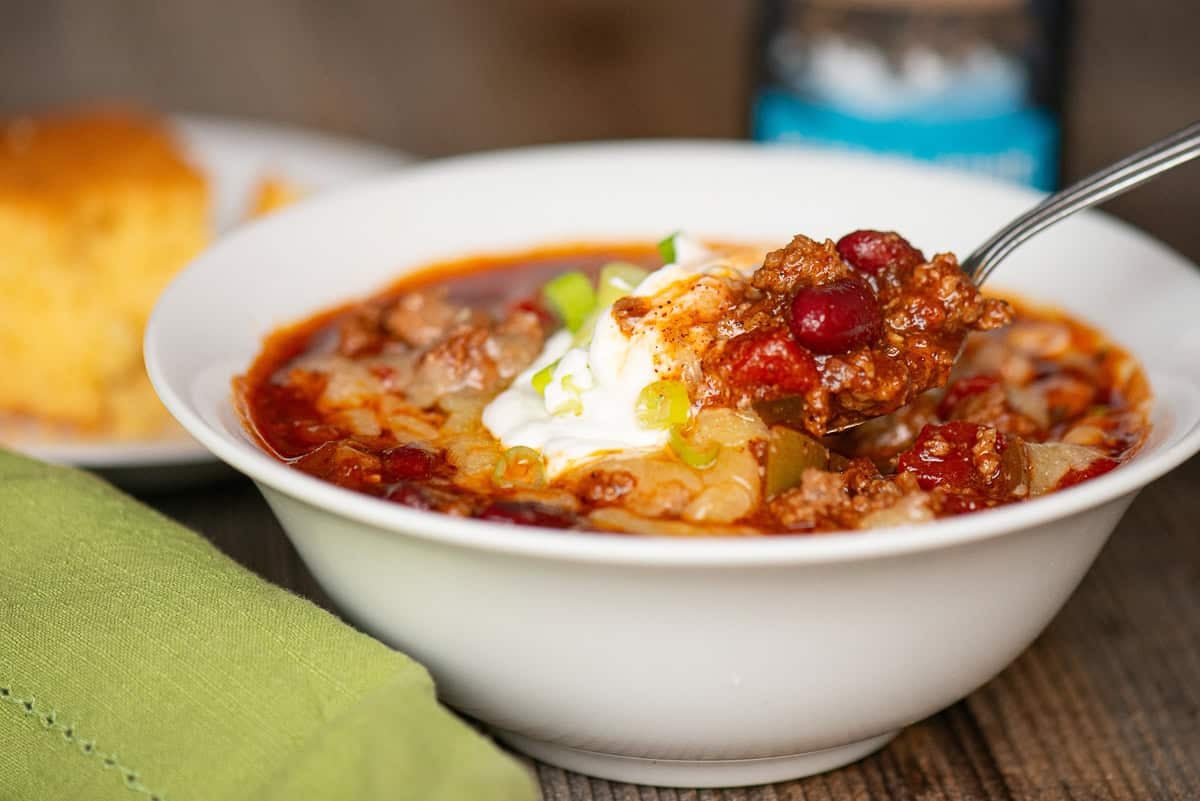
(872, 251)
(836, 317)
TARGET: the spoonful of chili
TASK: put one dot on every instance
(871, 323)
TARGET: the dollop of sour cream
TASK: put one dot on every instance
(588, 408)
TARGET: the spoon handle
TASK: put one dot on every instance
(1178, 148)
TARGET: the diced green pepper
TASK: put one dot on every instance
(788, 411)
(789, 454)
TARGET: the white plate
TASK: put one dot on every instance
(234, 154)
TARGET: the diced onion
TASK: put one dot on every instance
(571, 296)
(732, 428)
(569, 406)
(520, 467)
(612, 518)
(662, 404)
(723, 503)
(360, 421)
(1031, 402)
(1050, 461)
(910, 509)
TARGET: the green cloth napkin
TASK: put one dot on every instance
(139, 663)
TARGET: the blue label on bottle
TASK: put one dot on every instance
(1020, 145)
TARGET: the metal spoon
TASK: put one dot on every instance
(1131, 171)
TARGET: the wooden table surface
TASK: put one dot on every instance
(1104, 705)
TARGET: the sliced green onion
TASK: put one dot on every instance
(570, 386)
(666, 249)
(541, 379)
(583, 337)
(616, 281)
(573, 404)
(691, 454)
(520, 467)
(571, 296)
(662, 404)
(569, 406)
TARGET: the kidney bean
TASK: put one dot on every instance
(836, 317)
(872, 251)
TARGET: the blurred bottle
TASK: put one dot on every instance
(972, 83)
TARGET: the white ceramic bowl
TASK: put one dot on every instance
(699, 663)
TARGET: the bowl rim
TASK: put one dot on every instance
(645, 550)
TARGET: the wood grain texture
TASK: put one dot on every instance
(1104, 706)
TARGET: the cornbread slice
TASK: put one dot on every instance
(97, 212)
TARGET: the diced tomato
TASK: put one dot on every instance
(1096, 468)
(964, 388)
(871, 251)
(944, 456)
(770, 358)
(408, 463)
(342, 462)
(295, 425)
